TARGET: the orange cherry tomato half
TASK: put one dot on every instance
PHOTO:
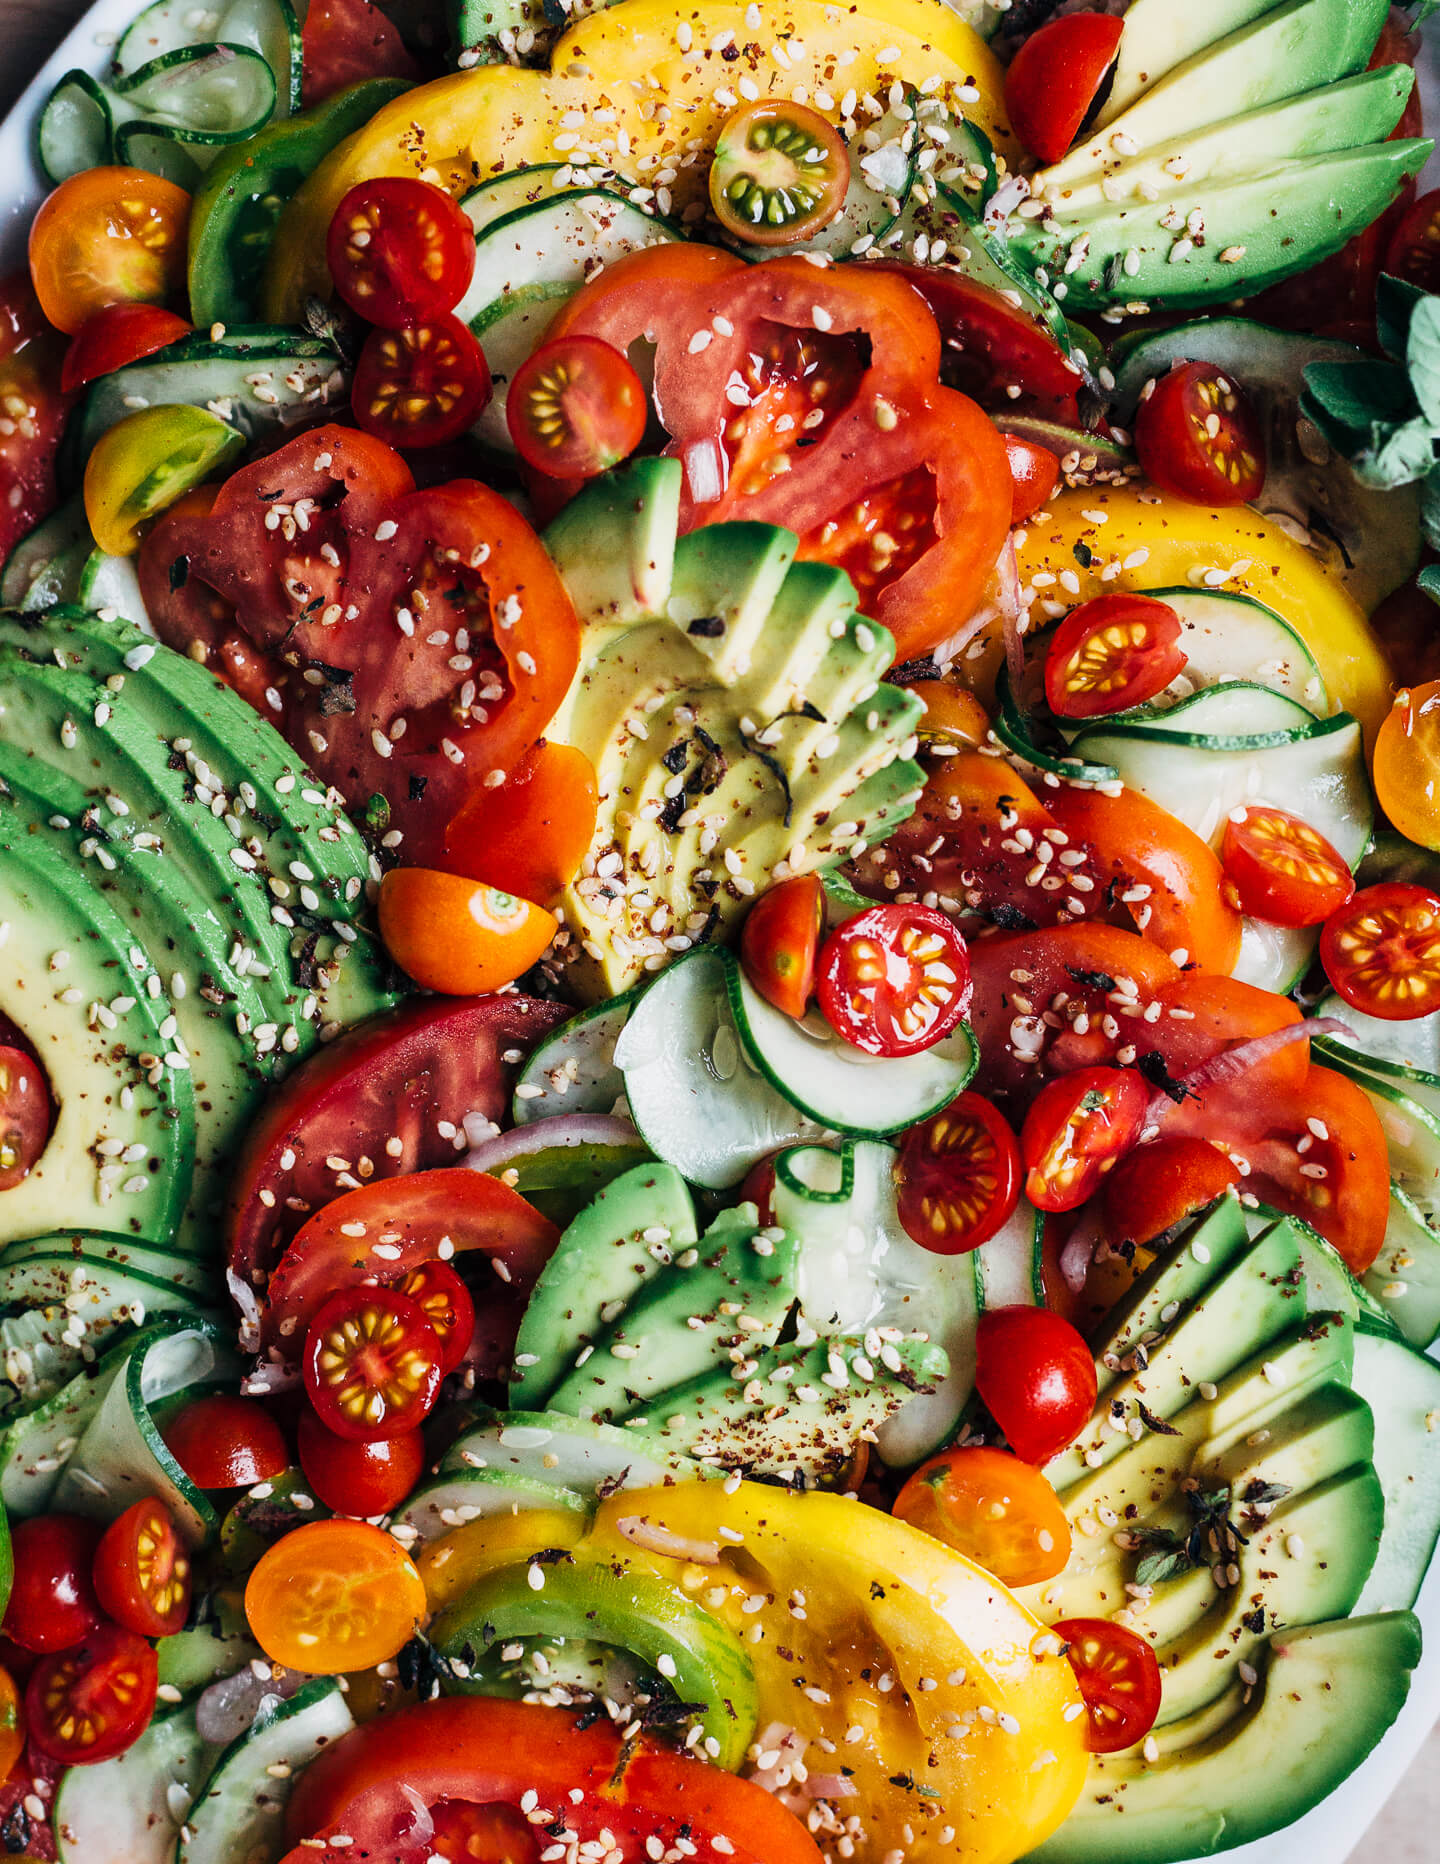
(530, 836)
(1381, 951)
(1160, 1184)
(996, 1510)
(334, 1596)
(1055, 77)
(1414, 250)
(25, 1115)
(1036, 473)
(372, 1364)
(108, 236)
(422, 385)
(400, 251)
(114, 338)
(575, 408)
(90, 1702)
(780, 942)
(445, 1302)
(780, 173)
(12, 1724)
(1112, 653)
(958, 1176)
(1119, 1678)
(1406, 770)
(894, 979)
(1197, 435)
(1036, 1377)
(459, 936)
(1281, 869)
(1078, 1129)
(361, 1479)
(142, 1571)
(225, 1442)
(954, 717)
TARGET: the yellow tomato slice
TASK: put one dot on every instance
(148, 462)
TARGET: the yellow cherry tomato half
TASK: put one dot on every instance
(148, 462)
(334, 1596)
(1407, 764)
(108, 236)
(997, 1511)
(459, 936)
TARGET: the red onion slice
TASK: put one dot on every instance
(226, 1709)
(1008, 579)
(1080, 1247)
(1231, 1062)
(566, 1129)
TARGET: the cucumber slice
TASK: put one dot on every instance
(206, 95)
(57, 1309)
(44, 567)
(1402, 1388)
(460, 1496)
(111, 586)
(238, 1814)
(1405, 1277)
(1412, 1135)
(1029, 739)
(573, 1070)
(52, 1260)
(1407, 1054)
(1229, 637)
(128, 1810)
(837, 1085)
(76, 129)
(552, 1447)
(1236, 709)
(267, 27)
(1008, 1268)
(191, 1660)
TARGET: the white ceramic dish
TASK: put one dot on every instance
(1330, 1832)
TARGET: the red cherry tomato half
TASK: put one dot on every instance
(364, 1479)
(1055, 77)
(142, 1572)
(115, 337)
(226, 1443)
(1197, 435)
(420, 386)
(1414, 250)
(1160, 1184)
(400, 251)
(958, 1176)
(1282, 869)
(52, 1596)
(1111, 653)
(575, 408)
(1381, 951)
(372, 1364)
(1036, 1377)
(894, 980)
(1119, 1677)
(25, 1115)
(90, 1703)
(1079, 1127)
(1036, 473)
(780, 942)
(445, 1302)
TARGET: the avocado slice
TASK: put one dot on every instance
(1160, 34)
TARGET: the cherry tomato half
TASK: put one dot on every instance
(780, 942)
(108, 236)
(1035, 472)
(1381, 951)
(1036, 1377)
(575, 408)
(420, 386)
(1111, 653)
(363, 1479)
(24, 1115)
(1197, 435)
(400, 251)
(459, 936)
(1119, 1678)
(1055, 77)
(1078, 1129)
(1414, 250)
(958, 1176)
(115, 337)
(445, 1302)
(993, 1508)
(224, 1442)
(52, 1595)
(1406, 771)
(1281, 869)
(334, 1596)
(1160, 1184)
(142, 1571)
(780, 173)
(894, 979)
(372, 1364)
(92, 1702)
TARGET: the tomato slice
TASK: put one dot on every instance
(1034, 473)
(460, 936)
(52, 1601)
(142, 1572)
(497, 1834)
(1381, 951)
(1406, 767)
(26, 1115)
(115, 337)
(226, 1442)
(1282, 869)
(894, 979)
(575, 408)
(1055, 78)
(12, 1735)
(34, 410)
(1035, 1375)
(93, 1701)
(1414, 250)
(1161, 1184)
(1198, 436)
(993, 1508)
(334, 1596)
(958, 1176)
(1119, 1678)
(422, 384)
(779, 173)
(1111, 653)
(106, 236)
(529, 835)
(400, 251)
(1078, 1129)
(354, 1478)
(372, 1364)
(780, 943)
(346, 41)
(445, 1302)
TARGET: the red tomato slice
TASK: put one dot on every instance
(92, 1702)
(372, 1364)
(780, 943)
(115, 337)
(52, 1601)
(497, 1834)
(1056, 76)
(1111, 653)
(400, 251)
(1160, 1184)
(445, 1302)
(226, 1442)
(1077, 1130)
(361, 1479)
(430, 1216)
(529, 836)
(1198, 436)
(346, 41)
(894, 979)
(1034, 472)
(142, 1572)
(575, 408)
(1381, 951)
(26, 1115)
(958, 1176)
(1414, 250)
(30, 364)
(1283, 870)
(1119, 1678)
(1035, 1376)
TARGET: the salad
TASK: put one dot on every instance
(719, 931)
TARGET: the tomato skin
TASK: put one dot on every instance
(362, 1479)
(460, 936)
(142, 1572)
(445, 1302)
(988, 348)
(400, 251)
(1179, 452)
(1077, 1130)
(52, 1601)
(345, 41)
(1111, 653)
(26, 1115)
(1119, 1677)
(894, 980)
(106, 236)
(116, 336)
(575, 408)
(31, 358)
(529, 836)
(958, 1176)
(1282, 869)
(993, 1508)
(420, 385)
(334, 1596)
(1406, 766)
(780, 942)
(226, 1442)
(1160, 1184)
(1381, 951)
(1054, 78)
(372, 1364)
(1035, 472)
(1414, 250)
(12, 1725)
(91, 1702)
(464, 1831)
(1036, 1377)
